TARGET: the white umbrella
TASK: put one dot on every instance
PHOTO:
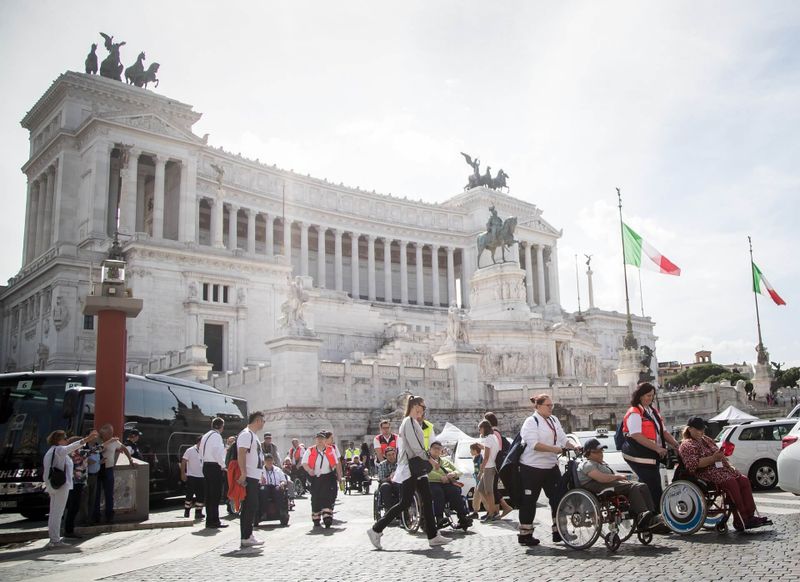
(732, 414)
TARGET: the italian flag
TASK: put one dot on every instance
(634, 246)
(761, 285)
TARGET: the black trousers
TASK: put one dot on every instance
(409, 486)
(447, 493)
(73, 505)
(249, 508)
(650, 475)
(323, 493)
(390, 493)
(195, 492)
(212, 491)
(533, 480)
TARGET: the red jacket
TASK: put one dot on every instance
(236, 493)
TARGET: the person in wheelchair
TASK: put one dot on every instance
(595, 475)
(703, 459)
(445, 487)
(357, 476)
(389, 491)
(273, 501)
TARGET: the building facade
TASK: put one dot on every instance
(213, 242)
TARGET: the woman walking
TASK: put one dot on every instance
(646, 440)
(488, 471)
(58, 458)
(412, 453)
(538, 466)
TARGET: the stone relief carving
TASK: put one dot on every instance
(457, 332)
(293, 318)
(192, 290)
(61, 314)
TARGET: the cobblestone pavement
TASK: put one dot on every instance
(488, 551)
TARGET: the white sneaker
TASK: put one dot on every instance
(439, 540)
(57, 545)
(252, 541)
(375, 538)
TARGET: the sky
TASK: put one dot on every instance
(690, 108)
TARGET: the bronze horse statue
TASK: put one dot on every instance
(135, 71)
(499, 181)
(111, 67)
(504, 238)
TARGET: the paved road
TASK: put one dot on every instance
(343, 553)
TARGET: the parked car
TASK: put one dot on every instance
(753, 448)
(462, 459)
(795, 413)
(612, 456)
(789, 462)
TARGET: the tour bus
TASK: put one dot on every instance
(170, 413)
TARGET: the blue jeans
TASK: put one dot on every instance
(105, 486)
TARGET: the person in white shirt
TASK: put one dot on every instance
(273, 491)
(488, 470)
(212, 452)
(58, 457)
(538, 466)
(321, 462)
(251, 463)
(112, 448)
(192, 475)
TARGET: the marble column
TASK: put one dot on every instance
(420, 274)
(435, 275)
(404, 272)
(555, 294)
(337, 253)
(47, 238)
(304, 249)
(187, 230)
(128, 193)
(269, 223)
(158, 197)
(28, 211)
(33, 219)
(321, 256)
(251, 231)
(540, 274)
(371, 268)
(287, 239)
(355, 279)
(43, 189)
(451, 277)
(467, 268)
(233, 221)
(217, 216)
(529, 274)
(387, 270)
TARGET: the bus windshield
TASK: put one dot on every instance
(31, 407)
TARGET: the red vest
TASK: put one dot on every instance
(312, 457)
(649, 428)
(297, 454)
(385, 443)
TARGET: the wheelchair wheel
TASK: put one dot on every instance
(412, 517)
(645, 537)
(578, 519)
(722, 527)
(377, 510)
(683, 507)
(613, 541)
(299, 487)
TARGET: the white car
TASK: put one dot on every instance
(611, 456)
(753, 448)
(789, 462)
(795, 413)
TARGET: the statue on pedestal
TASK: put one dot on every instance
(292, 309)
(457, 334)
(111, 67)
(91, 61)
(499, 233)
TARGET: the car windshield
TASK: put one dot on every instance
(721, 436)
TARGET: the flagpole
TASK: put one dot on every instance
(762, 354)
(578, 285)
(629, 343)
(641, 296)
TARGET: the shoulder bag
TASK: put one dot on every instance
(57, 477)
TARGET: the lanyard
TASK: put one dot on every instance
(552, 426)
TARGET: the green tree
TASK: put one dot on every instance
(790, 377)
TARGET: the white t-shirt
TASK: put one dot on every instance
(254, 460)
(212, 448)
(537, 429)
(194, 464)
(109, 456)
(493, 443)
(274, 477)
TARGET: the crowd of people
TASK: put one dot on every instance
(258, 483)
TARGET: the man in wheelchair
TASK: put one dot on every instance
(595, 475)
(357, 477)
(445, 487)
(389, 492)
(272, 499)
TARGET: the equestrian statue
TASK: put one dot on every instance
(499, 233)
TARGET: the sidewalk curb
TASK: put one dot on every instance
(39, 534)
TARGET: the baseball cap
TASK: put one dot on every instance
(593, 445)
(697, 422)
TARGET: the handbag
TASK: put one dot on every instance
(57, 477)
(418, 466)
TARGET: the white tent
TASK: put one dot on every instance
(450, 435)
(732, 414)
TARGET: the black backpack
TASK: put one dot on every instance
(505, 446)
(619, 437)
(509, 470)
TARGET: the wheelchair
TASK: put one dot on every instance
(582, 517)
(360, 483)
(690, 503)
(409, 519)
(272, 510)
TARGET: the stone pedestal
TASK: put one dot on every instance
(497, 293)
(295, 371)
(762, 379)
(629, 368)
(464, 365)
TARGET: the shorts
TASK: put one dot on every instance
(486, 484)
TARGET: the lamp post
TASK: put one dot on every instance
(112, 307)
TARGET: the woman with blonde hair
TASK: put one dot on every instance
(413, 466)
(59, 482)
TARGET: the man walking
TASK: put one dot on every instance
(251, 463)
(212, 452)
(192, 476)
